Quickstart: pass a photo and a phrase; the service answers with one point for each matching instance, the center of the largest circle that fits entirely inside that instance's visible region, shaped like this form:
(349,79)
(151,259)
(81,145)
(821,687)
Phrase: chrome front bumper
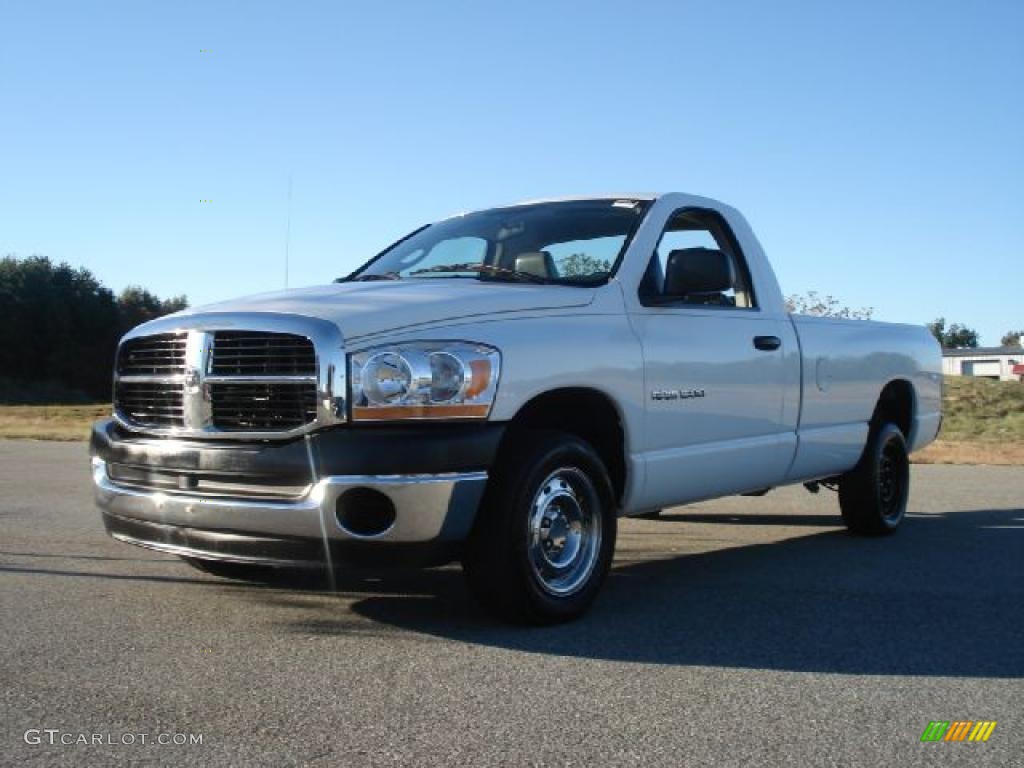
(429,509)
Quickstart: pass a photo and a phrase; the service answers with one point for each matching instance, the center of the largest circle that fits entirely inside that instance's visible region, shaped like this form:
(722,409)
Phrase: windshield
(575,242)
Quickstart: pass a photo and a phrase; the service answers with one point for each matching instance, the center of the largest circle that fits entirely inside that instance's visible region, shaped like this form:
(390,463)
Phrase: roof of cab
(646,196)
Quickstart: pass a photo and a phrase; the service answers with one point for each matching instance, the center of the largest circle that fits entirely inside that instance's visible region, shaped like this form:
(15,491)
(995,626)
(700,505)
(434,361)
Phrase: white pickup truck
(499,388)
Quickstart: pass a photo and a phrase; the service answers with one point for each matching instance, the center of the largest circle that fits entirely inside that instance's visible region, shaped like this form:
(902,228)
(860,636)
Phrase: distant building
(1002,363)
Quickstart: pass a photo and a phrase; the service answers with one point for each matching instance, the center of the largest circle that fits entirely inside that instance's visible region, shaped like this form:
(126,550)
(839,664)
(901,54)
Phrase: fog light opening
(365,512)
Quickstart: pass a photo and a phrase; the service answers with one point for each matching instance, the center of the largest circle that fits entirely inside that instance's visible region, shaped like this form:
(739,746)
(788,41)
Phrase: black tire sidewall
(502,538)
(888,434)
(860,492)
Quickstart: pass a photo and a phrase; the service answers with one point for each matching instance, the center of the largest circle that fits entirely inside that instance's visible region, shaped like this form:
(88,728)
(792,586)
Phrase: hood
(364,309)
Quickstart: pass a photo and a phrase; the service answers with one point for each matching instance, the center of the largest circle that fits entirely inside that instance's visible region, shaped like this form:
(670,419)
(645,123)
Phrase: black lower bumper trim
(407,449)
(291,552)
(216,545)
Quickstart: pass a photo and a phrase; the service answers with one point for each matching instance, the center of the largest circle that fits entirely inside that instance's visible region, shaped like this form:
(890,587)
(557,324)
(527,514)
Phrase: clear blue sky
(876,147)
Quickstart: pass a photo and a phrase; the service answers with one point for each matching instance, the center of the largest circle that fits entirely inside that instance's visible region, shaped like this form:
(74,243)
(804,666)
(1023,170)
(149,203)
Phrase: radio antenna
(288,231)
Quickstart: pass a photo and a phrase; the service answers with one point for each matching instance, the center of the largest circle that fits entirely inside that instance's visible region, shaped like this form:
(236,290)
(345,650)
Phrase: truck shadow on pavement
(943,597)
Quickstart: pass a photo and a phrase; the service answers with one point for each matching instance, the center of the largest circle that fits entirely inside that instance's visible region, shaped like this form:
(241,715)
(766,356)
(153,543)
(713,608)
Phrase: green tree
(59,325)
(956,336)
(812,303)
(59,328)
(1011,338)
(582,265)
(137,306)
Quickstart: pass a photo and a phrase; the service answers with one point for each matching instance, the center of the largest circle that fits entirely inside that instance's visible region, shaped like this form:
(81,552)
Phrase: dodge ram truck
(498,389)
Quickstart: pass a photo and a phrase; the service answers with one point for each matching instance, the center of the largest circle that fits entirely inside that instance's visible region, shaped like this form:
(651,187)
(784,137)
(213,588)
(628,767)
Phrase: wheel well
(586,413)
(896,404)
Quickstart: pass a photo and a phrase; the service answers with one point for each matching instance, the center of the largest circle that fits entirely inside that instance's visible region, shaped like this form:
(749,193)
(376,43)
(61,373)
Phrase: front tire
(873,496)
(545,534)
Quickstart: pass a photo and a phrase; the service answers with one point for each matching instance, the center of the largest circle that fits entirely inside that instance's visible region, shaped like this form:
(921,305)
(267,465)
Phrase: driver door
(716,371)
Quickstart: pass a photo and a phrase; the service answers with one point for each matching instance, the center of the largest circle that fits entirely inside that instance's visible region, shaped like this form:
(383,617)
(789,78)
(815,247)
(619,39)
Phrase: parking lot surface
(744,631)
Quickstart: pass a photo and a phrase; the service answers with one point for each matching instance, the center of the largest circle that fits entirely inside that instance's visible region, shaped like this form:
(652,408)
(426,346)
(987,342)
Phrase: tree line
(958,336)
(59,328)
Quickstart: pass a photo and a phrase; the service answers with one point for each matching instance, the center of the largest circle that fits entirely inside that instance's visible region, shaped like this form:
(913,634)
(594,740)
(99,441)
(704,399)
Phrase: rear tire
(873,495)
(545,534)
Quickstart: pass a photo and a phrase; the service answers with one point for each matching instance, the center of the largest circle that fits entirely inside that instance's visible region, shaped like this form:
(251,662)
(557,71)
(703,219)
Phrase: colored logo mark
(958,730)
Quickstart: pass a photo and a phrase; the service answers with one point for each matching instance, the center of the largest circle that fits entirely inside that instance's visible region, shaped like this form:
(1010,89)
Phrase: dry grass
(983,410)
(983,424)
(50,422)
(944,451)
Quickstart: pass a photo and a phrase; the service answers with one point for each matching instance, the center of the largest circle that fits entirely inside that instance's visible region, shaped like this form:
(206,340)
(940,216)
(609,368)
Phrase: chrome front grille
(162,354)
(146,393)
(279,377)
(263,405)
(150,403)
(248,353)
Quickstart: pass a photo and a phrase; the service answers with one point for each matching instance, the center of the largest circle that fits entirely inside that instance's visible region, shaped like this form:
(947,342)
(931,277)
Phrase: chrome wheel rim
(564,533)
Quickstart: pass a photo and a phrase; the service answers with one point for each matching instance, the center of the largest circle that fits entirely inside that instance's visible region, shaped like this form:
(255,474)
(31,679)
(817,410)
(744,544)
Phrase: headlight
(424,380)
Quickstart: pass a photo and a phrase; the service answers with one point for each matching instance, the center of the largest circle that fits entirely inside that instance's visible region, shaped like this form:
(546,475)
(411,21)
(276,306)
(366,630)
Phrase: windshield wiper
(370,277)
(479,267)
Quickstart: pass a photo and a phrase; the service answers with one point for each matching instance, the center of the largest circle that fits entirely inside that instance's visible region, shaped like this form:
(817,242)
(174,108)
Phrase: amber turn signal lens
(388,412)
(481,377)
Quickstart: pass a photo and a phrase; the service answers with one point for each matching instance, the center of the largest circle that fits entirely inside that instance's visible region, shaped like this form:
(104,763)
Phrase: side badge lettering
(676,394)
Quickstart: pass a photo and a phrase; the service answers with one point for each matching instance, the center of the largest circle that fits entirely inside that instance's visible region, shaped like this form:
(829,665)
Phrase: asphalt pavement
(744,631)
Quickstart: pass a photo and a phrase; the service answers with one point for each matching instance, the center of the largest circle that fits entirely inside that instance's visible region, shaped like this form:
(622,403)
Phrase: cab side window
(697,263)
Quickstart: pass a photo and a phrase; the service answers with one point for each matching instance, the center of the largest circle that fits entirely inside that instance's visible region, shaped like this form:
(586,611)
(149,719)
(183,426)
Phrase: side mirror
(697,270)
(539,263)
